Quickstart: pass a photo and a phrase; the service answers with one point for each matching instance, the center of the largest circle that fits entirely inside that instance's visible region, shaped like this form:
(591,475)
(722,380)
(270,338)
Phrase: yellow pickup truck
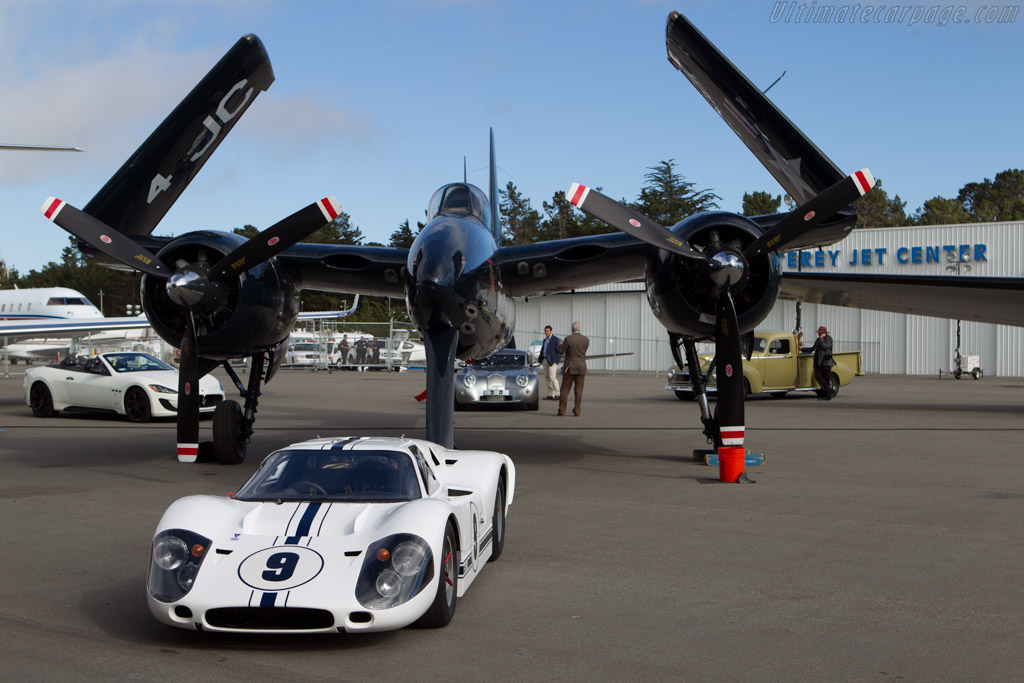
(776,367)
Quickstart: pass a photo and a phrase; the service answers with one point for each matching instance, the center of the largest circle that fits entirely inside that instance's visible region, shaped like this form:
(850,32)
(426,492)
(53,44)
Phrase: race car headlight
(161,389)
(469,379)
(522,380)
(169,552)
(408,558)
(395,569)
(176,559)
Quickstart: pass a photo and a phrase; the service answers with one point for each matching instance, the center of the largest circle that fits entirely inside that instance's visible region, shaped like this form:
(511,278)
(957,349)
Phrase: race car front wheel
(443,608)
(498,522)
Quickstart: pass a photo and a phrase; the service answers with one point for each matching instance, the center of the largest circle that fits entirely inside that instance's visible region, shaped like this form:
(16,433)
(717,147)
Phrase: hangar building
(617,318)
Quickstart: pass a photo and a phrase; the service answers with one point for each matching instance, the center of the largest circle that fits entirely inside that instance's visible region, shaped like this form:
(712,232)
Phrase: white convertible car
(134,384)
(334,535)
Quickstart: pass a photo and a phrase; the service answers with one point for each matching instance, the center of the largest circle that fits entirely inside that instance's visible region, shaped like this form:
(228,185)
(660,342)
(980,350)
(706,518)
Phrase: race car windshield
(370,476)
(135,362)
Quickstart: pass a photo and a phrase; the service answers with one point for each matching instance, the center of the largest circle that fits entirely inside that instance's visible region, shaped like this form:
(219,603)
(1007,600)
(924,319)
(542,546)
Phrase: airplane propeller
(107,240)
(725,269)
(811,213)
(188,394)
(190,285)
(629,221)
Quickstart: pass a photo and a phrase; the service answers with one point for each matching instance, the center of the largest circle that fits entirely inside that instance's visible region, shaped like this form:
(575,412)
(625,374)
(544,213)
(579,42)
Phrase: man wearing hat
(823,363)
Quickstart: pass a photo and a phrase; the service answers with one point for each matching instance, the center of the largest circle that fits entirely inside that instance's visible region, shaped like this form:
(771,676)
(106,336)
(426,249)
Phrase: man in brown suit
(574,364)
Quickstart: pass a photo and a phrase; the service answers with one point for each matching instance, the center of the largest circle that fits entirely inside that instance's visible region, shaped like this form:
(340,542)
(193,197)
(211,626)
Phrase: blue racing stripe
(304,524)
(268,599)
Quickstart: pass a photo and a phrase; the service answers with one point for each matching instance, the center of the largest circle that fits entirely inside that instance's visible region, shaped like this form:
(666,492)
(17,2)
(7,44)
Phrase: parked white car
(138,385)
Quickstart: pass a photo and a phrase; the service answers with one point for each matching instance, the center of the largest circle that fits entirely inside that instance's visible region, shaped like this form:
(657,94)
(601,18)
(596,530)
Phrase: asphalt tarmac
(883,540)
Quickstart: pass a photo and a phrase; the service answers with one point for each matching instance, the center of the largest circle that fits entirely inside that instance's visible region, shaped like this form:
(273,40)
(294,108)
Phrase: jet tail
(789,155)
(495,207)
(138,196)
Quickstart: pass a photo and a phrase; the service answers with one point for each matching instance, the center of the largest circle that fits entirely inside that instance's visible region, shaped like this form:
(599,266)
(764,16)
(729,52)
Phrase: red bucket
(730,463)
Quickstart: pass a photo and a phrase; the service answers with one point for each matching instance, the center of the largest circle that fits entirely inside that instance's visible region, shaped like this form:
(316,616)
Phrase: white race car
(334,535)
(138,385)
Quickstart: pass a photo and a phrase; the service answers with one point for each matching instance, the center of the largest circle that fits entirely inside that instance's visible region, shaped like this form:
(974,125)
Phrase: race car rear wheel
(443,608)
(498,521)
(136,405)
(41,400)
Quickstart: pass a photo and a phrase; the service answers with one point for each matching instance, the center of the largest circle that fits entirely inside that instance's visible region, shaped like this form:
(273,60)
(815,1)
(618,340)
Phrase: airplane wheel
(42,401)
(227,424)
(136,405)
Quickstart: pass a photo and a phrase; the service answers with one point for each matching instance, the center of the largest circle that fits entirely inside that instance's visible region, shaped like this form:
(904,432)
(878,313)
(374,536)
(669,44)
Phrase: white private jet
(49,313)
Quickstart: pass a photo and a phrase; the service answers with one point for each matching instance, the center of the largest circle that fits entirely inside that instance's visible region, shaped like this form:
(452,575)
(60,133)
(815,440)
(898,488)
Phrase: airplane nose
(428,301)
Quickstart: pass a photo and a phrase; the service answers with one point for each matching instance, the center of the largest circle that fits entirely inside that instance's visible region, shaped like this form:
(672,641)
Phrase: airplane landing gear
(698,381)
(232,423)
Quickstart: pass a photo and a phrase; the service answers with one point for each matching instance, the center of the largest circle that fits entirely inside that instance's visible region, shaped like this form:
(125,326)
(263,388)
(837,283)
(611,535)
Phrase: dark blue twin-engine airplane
(710,276)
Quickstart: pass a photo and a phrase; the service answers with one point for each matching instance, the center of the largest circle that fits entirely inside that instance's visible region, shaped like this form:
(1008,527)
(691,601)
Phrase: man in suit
(574,348)
(549,362)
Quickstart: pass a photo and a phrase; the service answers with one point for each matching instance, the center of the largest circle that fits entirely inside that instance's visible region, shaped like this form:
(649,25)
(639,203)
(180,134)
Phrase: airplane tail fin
(495,207)
(138,196)
(789,155)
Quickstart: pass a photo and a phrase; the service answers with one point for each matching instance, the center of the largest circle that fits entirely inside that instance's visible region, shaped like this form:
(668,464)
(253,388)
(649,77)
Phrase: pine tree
(667,197)
(759,203)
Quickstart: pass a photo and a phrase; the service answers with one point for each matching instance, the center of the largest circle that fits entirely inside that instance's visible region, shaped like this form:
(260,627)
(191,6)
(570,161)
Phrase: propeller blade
(629,221)
(188,394)
(810,213)
(729,372)
(277,238)
(104,238)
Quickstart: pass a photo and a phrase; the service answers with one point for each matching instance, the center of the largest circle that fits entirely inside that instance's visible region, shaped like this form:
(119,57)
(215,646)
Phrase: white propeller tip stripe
(329,206)
(732,436)
(51,207)
(188,452)
(865,181)
(578,194)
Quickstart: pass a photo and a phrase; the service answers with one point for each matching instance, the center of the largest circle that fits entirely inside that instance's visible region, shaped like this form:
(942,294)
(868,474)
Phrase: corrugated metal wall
(618,319)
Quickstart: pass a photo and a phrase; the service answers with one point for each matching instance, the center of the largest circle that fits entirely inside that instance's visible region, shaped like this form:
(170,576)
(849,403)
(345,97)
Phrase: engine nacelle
(681,292)
(238,316)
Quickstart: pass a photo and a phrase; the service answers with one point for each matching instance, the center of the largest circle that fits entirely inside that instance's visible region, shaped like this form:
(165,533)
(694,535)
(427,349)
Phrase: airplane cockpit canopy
(460,197)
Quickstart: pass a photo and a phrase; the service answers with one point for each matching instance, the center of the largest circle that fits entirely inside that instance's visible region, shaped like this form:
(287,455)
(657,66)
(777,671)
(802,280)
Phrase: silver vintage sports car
(503,378)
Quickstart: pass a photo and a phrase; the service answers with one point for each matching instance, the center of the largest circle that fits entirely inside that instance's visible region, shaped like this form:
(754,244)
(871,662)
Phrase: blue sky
(378,102)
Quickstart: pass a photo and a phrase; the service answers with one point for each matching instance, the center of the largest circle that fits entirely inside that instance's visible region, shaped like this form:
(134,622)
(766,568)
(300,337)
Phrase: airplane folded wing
(789,155)
(136,197)
(983,299)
